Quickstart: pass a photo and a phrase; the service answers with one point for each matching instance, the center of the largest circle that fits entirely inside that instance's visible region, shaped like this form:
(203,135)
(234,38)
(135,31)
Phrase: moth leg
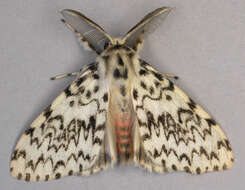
(170,76)
(111,139)
(137,146)
(64,75)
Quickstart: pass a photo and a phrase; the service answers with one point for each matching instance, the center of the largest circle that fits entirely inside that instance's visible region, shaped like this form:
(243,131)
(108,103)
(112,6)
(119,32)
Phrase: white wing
(175,133)
(68,137)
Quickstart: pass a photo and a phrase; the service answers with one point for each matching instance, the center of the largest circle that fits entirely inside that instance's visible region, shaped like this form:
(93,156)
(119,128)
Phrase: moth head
(113,42)
(94,38)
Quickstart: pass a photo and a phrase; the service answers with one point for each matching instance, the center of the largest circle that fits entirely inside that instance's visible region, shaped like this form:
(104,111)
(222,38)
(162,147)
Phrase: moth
(119,110)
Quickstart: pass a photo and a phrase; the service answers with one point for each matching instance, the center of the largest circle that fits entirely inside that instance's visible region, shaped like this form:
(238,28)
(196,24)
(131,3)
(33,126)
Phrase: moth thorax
(119,73)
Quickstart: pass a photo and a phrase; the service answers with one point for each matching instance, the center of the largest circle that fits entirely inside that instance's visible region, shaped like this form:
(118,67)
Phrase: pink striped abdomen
(123,126)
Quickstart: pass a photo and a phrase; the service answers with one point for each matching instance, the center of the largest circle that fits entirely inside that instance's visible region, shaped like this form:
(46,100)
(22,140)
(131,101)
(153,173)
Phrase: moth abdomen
(123,128)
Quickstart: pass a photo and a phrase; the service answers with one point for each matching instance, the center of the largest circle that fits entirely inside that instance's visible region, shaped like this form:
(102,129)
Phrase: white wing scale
(175,133)
(68,137)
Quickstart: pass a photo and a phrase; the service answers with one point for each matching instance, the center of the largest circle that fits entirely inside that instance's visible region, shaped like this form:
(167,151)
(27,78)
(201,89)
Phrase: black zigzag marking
(172,128)
(69,134)
(58,136)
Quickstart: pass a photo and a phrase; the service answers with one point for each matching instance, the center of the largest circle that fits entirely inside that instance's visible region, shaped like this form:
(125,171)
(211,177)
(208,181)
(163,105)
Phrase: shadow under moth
(118,110)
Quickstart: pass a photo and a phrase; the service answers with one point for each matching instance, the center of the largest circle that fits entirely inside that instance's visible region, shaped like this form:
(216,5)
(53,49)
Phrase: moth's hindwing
(175,133)
(68,137)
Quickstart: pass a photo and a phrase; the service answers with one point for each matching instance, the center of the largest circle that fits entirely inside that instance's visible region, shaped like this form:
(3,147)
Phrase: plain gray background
(203,42)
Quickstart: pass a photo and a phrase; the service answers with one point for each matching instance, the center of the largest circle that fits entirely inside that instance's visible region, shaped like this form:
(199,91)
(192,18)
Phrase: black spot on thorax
(125,73)
(105,97)
(120,75)
(120,61)
(116,73)
(123,90)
